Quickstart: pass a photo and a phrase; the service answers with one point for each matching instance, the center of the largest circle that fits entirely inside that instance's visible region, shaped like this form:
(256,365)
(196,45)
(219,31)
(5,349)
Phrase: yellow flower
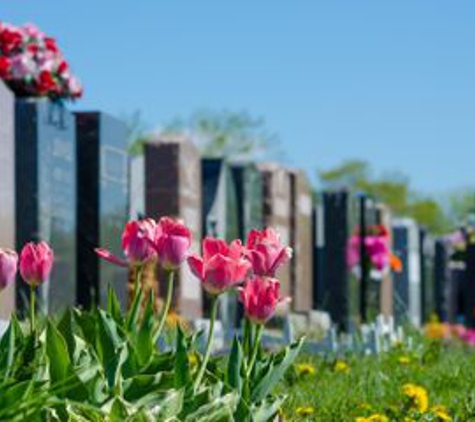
(441,413)
(436,330)
(373,418)
(365,406)
(341,366)
(418,397)
(305,411)
(404,360)
(193,359)
(305,369)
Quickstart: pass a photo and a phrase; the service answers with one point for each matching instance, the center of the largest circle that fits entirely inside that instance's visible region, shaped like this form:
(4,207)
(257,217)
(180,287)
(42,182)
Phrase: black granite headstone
(441,277)
(220,220)
(45,179)
(102,206)
(340,294)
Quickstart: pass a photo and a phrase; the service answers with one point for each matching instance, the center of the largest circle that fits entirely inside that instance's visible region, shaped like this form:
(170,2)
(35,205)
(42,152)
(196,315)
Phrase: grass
(372,385)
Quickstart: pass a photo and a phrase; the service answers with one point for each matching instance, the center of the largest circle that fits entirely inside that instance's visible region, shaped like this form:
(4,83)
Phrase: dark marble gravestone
(441,278)
(220,220)
(340,289)
(301,264)
(172,176)
(45,180)
(426,255)
(277,211)
(7,188)
(102,206)
(249,195)
(407,283)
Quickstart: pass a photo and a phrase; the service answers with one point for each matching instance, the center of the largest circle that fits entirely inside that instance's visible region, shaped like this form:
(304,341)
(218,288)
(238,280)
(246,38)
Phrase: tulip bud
(36,262)
(172,243)
(8,267)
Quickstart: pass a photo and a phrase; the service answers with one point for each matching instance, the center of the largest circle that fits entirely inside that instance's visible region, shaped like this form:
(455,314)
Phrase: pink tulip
(8,267)
(222,266)
(266,252)
(36,262)
(260,297)
(137,244)
(172,243)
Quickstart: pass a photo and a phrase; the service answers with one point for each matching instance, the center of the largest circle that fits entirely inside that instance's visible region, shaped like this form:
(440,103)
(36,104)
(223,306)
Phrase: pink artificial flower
(30,30)
(36,262)
(469,337)
(172,242)
(8,267)
(23,66)
(266,252)
(137,244)
(378,251)
(260,297)
(353,251)
(222,266)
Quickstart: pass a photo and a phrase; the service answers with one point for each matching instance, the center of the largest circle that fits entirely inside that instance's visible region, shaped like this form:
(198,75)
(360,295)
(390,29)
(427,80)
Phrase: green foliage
(236,135)
(392,189)
(101,365)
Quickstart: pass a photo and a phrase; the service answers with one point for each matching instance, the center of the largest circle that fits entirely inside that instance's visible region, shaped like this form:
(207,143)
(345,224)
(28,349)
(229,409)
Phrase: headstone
(340,287)
(386,289)
(45,179)
(441,277)
(7,188)
(249,194)
(318,237)
(407,294)
(276,209)
(469,285)
(173,188)
(301,264)
(102,208)
(220,220)
(426,253)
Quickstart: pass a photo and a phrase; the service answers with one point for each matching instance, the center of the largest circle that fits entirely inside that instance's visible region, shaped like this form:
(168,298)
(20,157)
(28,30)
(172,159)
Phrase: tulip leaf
(65,327)
(144,344)
(267,409)
(234,379)
(182,365)
(7,350)
(275,370)
(220,409)
(113,306)
(133,314)
(57,351)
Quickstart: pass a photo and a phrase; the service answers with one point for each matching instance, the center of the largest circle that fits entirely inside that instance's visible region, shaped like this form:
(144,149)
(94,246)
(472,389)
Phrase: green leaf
(144,344)
(165,405)
(133,314)
(234,379)
(267,409)
(275,371)
(182,365)
(113,306)
(65,327)
(219,410)
(58,356)
(119,411)
(7,351)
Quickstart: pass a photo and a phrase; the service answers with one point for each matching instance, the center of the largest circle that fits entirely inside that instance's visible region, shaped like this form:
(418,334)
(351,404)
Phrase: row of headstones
(66,180)
(354,297)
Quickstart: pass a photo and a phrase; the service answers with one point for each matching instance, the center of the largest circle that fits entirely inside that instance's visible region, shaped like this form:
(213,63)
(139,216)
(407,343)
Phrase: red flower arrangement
(32,65)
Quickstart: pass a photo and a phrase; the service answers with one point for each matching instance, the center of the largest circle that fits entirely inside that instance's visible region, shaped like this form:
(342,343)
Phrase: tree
(393,189)
(235,135)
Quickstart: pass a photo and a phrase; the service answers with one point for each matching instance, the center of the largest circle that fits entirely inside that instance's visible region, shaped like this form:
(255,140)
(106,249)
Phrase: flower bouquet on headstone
(32,64)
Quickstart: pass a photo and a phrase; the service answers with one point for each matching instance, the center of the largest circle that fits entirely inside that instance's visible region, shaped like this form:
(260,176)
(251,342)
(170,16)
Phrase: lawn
(441,377)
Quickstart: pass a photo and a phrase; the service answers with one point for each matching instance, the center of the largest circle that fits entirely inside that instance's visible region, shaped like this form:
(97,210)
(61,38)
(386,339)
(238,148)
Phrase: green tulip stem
(168,303)
(204,364)
(257,343)
(32,307)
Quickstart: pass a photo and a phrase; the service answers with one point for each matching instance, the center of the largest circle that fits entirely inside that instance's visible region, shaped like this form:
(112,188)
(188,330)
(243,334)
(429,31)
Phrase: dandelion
(373,418)
(305,411)
(305,369)
(404,360)
(418,397)
(441,413)
(341,366)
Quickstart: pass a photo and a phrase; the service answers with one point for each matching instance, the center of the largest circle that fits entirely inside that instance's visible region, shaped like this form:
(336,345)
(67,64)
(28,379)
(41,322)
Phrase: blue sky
(392,82)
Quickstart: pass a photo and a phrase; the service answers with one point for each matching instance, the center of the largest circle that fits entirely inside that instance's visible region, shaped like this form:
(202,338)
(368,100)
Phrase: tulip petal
(108,256)
(196,265)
